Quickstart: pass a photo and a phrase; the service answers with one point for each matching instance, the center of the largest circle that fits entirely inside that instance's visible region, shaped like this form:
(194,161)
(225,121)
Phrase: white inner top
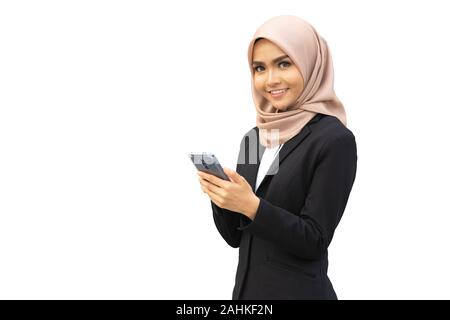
(268,157)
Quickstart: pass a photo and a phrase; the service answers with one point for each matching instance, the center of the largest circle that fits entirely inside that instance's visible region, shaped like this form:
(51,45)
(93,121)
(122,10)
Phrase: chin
(280,108)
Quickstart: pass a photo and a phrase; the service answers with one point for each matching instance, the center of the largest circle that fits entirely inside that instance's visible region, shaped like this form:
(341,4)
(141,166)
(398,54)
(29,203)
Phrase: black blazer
(283,251)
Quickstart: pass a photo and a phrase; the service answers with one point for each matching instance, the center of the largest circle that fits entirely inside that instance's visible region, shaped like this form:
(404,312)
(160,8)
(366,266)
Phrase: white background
(100,101)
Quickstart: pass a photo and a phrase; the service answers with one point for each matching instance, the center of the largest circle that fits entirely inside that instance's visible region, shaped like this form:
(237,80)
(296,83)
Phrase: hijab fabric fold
(310,53)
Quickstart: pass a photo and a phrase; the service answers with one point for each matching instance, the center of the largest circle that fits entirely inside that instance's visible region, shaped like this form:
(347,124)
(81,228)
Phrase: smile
(278,93)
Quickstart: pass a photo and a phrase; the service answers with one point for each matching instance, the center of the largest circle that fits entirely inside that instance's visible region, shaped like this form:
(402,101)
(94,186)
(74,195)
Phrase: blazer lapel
(285,150)
(250,170)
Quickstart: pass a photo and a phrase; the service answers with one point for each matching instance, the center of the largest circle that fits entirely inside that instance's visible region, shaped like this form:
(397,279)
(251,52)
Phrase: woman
(281,210)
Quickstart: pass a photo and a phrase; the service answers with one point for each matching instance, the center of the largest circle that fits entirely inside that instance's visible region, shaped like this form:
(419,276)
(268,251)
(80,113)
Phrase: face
(275,76)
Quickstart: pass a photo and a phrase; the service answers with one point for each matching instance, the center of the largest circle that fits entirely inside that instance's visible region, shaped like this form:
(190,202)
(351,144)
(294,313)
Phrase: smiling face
(275,76)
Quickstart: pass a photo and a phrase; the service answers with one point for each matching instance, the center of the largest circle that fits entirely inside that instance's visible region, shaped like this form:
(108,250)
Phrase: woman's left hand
(235,195)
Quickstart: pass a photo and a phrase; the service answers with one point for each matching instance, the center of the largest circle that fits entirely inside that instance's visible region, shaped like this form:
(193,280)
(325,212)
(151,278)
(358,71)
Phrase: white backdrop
(100,101)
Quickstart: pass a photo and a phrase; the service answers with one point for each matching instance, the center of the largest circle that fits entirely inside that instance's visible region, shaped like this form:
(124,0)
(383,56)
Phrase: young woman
(282,209)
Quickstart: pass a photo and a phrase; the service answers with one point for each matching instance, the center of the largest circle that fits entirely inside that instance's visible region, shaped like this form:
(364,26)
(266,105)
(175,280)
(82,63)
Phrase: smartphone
(208,162)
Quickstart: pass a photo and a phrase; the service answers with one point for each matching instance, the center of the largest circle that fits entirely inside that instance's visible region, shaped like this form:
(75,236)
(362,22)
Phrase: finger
(203,184)
(215,198)
(211,186)
(236,177)
(213,179)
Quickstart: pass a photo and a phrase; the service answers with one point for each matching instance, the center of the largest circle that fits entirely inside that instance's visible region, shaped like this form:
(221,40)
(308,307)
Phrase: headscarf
(310,53)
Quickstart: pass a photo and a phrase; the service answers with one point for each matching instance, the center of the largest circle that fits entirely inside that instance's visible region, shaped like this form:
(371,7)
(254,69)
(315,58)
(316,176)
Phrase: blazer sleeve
(226,221)
(308,234)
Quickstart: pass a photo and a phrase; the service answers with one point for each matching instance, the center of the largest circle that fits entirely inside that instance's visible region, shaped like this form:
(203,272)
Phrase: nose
(273,78)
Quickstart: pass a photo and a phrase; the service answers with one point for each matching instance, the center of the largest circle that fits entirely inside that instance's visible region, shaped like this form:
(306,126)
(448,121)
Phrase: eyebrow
(274,60)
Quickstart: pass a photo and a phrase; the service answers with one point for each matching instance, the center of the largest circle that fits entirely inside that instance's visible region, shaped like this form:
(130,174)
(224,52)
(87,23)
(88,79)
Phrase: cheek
(295,83)
(258,83)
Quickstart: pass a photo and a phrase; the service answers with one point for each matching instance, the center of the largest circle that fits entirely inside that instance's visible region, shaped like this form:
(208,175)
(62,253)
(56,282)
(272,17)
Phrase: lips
(278,92)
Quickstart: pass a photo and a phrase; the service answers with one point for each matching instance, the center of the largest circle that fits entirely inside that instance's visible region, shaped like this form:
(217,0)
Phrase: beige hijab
(309,51)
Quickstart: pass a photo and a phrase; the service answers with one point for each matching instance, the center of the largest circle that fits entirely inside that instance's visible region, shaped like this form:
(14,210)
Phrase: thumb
(233,175)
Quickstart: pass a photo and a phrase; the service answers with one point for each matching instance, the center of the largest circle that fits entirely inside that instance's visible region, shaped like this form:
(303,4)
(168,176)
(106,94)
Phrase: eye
(285,62)
(256,68)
